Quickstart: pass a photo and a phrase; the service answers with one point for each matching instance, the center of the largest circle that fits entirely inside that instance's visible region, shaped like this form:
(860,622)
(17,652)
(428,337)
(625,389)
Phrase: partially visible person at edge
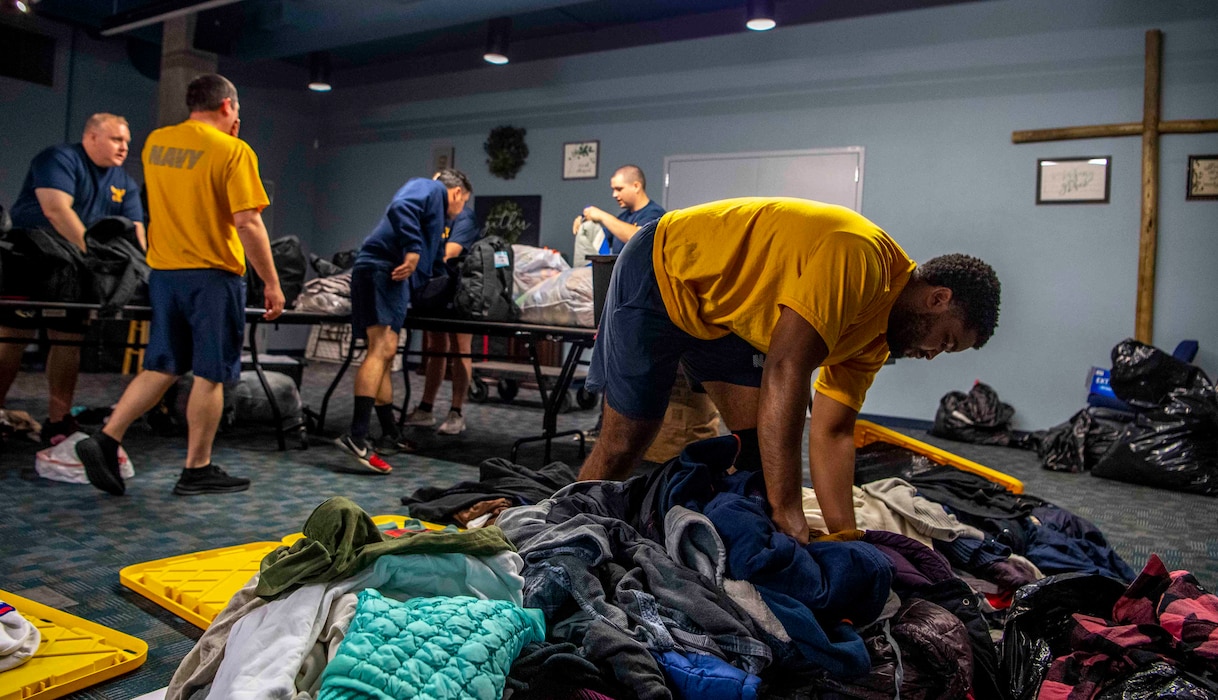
(69,188)
(751,296)
(463,234)
(205,198)
(397,256)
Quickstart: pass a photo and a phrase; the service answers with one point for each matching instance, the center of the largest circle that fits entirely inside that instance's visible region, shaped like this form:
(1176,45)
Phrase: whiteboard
(832,175)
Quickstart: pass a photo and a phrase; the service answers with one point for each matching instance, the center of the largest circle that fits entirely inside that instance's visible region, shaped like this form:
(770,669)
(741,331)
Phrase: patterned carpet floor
(64,544)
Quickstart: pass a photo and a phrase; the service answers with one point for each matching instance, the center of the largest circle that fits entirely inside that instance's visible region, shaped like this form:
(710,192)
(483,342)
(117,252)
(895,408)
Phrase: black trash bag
(289,260)
(43,266)
(1174,447)
(1081,442)
(979,417)
(345,259)
(1039,623)
(1159,681)
(1144,376)
(323,267)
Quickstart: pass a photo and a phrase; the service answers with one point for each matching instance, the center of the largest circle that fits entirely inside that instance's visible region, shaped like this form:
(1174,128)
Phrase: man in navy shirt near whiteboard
(396,256)
(463,234)
(69,188)
(629,187)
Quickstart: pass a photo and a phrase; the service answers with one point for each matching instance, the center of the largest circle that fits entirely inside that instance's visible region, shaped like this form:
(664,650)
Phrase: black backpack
(290,263)
(484,292)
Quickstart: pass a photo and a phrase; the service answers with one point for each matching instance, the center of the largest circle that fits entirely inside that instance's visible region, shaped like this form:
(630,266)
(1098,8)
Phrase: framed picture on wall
(1203,177)
(1082,180)
(579,160)
(442,157)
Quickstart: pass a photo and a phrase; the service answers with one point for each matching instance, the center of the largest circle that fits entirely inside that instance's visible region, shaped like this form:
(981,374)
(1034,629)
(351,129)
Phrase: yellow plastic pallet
(197,586)
(866,432)
(74,654)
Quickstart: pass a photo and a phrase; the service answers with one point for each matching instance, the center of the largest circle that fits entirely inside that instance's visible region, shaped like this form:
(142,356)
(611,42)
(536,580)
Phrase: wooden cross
(1149,128)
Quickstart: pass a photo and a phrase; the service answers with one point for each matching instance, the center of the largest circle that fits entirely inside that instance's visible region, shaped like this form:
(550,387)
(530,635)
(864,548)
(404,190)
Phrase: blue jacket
(820,592)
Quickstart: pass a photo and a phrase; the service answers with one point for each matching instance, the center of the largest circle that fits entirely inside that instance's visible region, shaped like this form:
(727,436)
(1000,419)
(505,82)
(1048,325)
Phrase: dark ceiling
(374,40)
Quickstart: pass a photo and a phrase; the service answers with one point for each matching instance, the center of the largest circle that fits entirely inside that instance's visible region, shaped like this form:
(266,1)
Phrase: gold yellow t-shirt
(197,177)
(726,267)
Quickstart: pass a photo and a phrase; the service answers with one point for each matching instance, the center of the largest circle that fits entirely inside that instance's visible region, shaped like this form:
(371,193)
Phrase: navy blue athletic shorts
(639,349)
(376,300)
(198,323)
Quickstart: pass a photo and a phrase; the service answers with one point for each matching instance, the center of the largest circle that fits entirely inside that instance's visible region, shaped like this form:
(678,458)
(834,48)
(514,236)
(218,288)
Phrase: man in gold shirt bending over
(752,295)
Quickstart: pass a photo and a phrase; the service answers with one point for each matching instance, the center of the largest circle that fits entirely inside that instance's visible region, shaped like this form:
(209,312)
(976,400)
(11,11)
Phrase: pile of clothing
(330,291)
(676,584)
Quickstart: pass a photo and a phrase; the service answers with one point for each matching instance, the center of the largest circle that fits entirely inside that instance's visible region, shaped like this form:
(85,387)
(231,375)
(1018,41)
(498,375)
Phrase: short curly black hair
(976,290)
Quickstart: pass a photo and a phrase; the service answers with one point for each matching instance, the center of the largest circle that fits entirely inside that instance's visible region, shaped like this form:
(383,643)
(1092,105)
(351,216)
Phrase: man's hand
(597,214)
(406,269)
(273,301)
(579,221)
(790,520)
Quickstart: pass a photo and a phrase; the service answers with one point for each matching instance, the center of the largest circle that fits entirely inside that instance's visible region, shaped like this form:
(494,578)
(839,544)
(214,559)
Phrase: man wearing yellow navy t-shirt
(751,296)
(205,199)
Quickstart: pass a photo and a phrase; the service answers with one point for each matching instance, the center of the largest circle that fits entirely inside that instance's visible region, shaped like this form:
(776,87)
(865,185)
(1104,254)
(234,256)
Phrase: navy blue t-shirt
(642,217)
(413,223)
(464,230)
(96,192)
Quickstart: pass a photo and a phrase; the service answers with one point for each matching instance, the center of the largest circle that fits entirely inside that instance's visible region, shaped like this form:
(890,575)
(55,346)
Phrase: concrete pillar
(180,64)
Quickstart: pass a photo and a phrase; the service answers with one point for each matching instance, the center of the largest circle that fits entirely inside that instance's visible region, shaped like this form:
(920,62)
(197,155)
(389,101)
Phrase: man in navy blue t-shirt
(463,234)
(629,187)
(69,188)
(397,255)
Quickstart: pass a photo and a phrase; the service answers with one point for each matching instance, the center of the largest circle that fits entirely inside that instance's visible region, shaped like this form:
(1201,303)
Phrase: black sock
(361,416)
(750,450)
(424,407)
(384,414)
(109,445)
(455,409)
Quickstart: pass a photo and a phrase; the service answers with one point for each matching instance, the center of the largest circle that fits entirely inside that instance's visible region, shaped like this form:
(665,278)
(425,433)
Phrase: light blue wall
(96,76)
(932,95)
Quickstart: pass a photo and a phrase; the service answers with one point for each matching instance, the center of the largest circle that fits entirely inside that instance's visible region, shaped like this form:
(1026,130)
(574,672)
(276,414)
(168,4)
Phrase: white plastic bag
(588,241)
(533,265)
(59,463)
(565,300)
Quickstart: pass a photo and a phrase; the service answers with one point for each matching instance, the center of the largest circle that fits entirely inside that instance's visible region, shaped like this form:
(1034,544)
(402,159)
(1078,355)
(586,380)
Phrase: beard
(907,328)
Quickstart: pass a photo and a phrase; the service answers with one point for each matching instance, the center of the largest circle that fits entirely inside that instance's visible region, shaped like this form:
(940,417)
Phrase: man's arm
(57,208)
(831,460)
(796,349)
(141,236)
(620,229)
(452,250)
(252,233)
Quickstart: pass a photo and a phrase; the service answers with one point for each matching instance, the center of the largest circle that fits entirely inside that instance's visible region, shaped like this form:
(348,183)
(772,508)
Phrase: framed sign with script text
(1073,180)
(579,160)
(1203,177)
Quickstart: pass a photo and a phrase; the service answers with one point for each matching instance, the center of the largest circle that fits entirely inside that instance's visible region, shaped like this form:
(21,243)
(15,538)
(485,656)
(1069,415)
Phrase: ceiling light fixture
(497,40)
(760,15)
(19,6)
(319,71)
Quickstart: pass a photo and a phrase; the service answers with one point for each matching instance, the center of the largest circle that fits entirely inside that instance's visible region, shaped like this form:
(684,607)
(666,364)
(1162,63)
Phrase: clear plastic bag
(534,265)
(565,300)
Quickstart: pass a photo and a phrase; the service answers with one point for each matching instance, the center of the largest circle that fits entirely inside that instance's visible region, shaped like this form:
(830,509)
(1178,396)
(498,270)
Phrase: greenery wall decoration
(507,151)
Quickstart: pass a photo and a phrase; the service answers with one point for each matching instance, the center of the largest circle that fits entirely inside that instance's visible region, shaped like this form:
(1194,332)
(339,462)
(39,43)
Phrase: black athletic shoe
(389,445)
(101,464)
(209,479)
(364,455)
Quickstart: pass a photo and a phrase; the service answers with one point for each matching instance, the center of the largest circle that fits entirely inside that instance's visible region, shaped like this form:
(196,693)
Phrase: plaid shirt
(1162,617)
